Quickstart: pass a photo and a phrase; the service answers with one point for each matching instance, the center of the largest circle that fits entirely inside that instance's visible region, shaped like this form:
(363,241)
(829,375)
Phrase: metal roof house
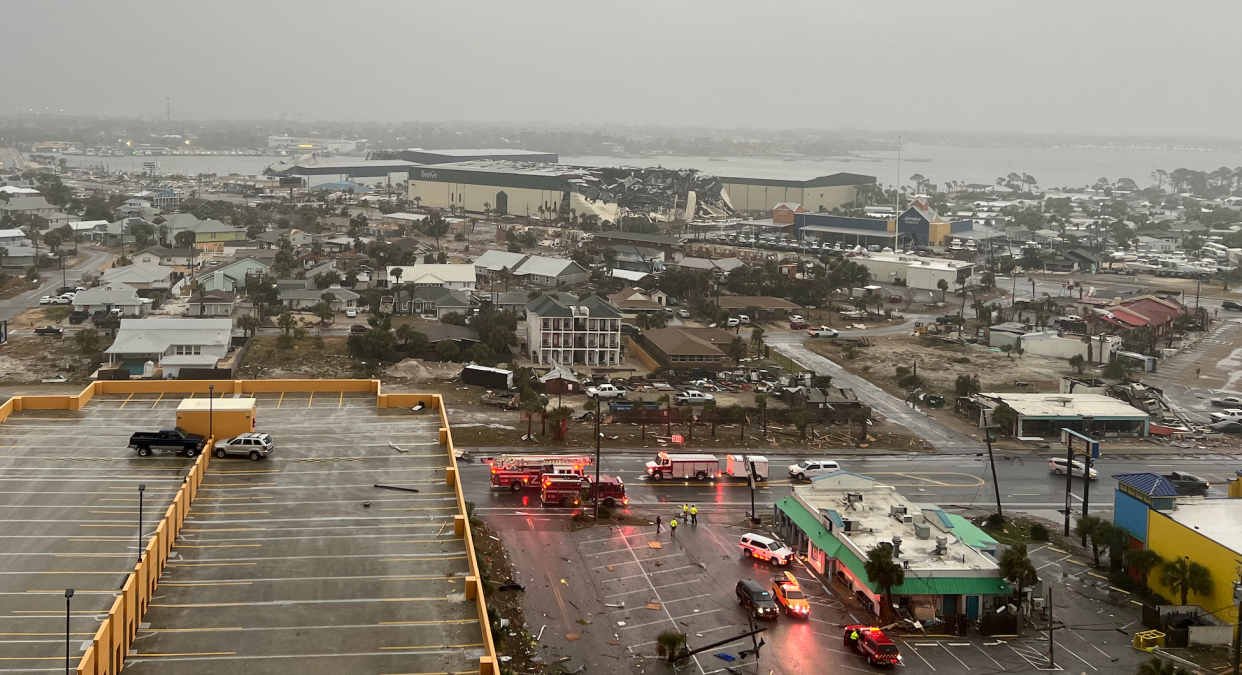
(172,344)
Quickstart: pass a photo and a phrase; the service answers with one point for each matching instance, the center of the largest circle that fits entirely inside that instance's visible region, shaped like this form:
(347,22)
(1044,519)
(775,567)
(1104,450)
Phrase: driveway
(941,437)
(51,281)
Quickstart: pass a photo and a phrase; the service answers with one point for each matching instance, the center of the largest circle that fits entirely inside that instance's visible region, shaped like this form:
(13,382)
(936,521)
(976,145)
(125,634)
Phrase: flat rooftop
(1067,405)
(878,527)
(280,566)
(1217,519)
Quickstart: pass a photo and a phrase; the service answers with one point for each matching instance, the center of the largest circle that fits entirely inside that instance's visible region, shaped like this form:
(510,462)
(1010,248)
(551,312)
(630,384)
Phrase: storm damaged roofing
(655,193)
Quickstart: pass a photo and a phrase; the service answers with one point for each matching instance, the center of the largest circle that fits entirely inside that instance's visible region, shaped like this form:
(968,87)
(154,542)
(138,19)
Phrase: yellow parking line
(397,623)
(221,473)
(312,400)
(400,541)
(184,630)
(214,583)
(247,564)
(224,529)
(62,633)
(141,654)
(282,399)
(342,401)
(1077,563)
(191,394)
(455,557)
(480,644)
(419,577)
(207,485)
(61,592)
(127,400)
(424,508)
(230,513)
(219,545)
(225,499)
(157,401)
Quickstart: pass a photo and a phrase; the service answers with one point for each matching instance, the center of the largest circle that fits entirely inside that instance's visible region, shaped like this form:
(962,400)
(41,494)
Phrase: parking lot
(296,562)
(576,583)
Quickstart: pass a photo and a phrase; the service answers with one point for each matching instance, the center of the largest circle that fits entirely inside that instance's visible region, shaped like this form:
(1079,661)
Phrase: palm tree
(1158,666)
(737,350)
(943,285)
(1183,576)
(248,323)
(395,283)
(286,320)
(884,572)
(1017,568)
(1144,560)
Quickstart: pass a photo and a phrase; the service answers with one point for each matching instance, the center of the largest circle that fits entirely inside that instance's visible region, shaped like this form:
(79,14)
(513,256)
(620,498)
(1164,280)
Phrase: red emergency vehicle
(561,490)
(518,471)
(611,491)
(873,644)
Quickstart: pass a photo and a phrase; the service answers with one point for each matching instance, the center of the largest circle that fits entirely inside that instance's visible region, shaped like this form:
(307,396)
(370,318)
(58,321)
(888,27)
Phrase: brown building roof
(633,298)
(690,341)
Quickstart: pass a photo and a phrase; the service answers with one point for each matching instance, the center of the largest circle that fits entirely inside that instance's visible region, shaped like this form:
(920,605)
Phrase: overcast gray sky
(1117,67)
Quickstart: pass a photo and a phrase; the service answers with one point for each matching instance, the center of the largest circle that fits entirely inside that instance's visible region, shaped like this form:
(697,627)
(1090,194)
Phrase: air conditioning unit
(851,497)
(907,518)
(922,530)
(1037,603)
(895,510)
(850,525)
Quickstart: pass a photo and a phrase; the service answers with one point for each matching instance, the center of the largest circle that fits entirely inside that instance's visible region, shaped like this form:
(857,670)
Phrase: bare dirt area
(266,361)
(15,285)
(30,359)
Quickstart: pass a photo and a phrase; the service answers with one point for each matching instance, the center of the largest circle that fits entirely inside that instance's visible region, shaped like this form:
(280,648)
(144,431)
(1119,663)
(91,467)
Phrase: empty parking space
(69,518)
(294,563)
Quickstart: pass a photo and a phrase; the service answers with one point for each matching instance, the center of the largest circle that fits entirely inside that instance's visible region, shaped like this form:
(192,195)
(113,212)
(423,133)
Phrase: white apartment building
(560,328)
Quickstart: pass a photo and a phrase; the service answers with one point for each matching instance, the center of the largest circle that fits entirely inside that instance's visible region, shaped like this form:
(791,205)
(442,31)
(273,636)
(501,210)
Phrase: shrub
(605,513)
(284,342)
(994,521)
(910,381)
(1039,532)
(318,343)
(963,359)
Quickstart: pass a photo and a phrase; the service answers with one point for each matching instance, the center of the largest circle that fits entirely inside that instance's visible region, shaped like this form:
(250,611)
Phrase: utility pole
(987,433)
(754,476)
(1051,643)
(1069,486)
(598,405)
(1086,488)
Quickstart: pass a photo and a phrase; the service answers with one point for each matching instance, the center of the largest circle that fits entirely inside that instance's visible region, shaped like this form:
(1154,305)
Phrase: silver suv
(253,445)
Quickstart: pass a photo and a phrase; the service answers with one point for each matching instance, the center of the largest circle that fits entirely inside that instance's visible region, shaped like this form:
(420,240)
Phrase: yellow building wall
(938,233)
(764,198)
(1171,539)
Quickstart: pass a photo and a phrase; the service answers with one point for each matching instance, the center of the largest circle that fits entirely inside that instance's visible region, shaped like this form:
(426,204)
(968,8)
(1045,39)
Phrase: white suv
(808,468)
(764,548)
(252,445)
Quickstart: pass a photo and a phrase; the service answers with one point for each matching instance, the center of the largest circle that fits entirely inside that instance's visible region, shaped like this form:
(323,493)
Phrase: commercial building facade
(814,193)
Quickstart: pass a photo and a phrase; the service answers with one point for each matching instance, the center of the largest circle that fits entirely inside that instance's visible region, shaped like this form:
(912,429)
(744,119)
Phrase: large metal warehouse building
(761,191)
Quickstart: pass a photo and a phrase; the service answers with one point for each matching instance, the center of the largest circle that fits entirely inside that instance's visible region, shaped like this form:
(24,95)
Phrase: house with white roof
(110,296)
(231,276)
(171,344)
(451,276)
(143,276)
(541,271)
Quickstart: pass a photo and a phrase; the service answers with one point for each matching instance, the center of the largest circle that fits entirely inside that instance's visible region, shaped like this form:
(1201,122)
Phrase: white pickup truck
(692,397)
(604,391)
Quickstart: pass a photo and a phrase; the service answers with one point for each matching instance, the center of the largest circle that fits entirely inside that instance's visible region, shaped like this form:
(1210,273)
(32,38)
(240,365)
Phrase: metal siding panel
(1130,514)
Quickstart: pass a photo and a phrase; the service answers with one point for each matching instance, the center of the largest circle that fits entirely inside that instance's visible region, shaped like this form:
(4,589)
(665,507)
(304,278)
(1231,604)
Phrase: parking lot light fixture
(211,418)
(68,601)
(141,489)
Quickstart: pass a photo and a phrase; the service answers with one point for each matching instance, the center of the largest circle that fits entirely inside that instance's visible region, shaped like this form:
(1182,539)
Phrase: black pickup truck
(167,439)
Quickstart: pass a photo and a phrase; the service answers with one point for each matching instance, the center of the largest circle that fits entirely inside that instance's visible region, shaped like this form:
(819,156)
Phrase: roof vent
(942,545)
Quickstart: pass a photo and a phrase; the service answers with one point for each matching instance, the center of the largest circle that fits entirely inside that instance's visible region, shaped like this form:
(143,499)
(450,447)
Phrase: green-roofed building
(949,564)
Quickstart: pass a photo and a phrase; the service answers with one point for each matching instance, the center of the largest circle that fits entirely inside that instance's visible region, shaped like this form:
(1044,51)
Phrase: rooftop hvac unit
(850,525)
(907,518)
(852,497)
(942,545)
(895,510)
(922,530)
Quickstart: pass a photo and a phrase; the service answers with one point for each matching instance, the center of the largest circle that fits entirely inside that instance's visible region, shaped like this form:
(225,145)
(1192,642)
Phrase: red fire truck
(561,490)
(611,491)
(518,471)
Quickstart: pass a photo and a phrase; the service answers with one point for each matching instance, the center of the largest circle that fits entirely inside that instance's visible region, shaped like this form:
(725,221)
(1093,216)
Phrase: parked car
(60,300)
(1232,414)
(809,468)
(765,548)
(357,328)
(1187,484)
(79,316)
(1227,402)
(823,331)
(351,313)
(745,320)
(629,329)
(1057,466)
(49,330)
(166,439)
(683,313)
(605,391)
(1230,304)
(799,325)
(253,445)
(1226,427)
(756,600)
(45,300)
(692,397)
(796,318)
(732,323)
(873,644)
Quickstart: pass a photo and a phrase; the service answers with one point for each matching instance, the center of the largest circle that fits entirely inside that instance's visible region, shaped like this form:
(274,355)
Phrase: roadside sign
(1080,444)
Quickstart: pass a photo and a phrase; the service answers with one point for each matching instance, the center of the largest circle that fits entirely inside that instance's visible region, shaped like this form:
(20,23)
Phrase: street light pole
(68,600)
(987,433)
(598,406)
(141,488)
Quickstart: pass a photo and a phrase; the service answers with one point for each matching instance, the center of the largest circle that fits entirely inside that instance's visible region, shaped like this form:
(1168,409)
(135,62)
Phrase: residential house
(438,301)
(109,296)
(633,301)
(463,337)
(231,276)
(18,251)
(719,268)
(144,276)
(184,260)
(633,277)
(767,306)
(112,235)
(683,348)
(137,207)
(559,381)
(636,258)
(561,328)
(407,221)
(489,265)
(172,344)
(664,243)
(1124,317)
(511,301)
(211,303)
(26,205)
(451,276)
(540,271)
(272,238)
(307,298)
(211,234)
